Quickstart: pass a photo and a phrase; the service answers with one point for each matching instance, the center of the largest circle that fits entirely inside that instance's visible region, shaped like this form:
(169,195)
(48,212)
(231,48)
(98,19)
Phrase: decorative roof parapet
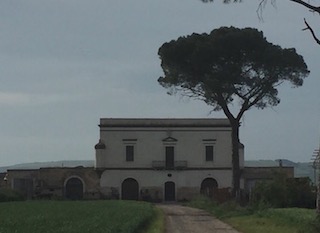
(164,122)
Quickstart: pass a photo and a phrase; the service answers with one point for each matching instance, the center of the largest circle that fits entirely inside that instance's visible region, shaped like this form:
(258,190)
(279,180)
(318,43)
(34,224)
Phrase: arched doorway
(208,187)
(130,189)
(74,189)
(169,191)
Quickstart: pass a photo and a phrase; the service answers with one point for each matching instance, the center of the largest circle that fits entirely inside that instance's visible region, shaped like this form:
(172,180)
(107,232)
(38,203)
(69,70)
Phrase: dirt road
(181,219)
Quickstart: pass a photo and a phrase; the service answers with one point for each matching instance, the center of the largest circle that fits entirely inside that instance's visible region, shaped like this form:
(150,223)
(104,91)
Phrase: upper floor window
(169,157)
(209,153)
(130,144)
(129,153)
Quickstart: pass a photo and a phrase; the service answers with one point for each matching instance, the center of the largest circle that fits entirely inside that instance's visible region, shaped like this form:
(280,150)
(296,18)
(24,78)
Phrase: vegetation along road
(182,219)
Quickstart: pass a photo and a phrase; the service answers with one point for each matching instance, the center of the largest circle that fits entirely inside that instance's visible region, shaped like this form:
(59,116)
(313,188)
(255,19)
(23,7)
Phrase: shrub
(315,224)
(281,192)
(300,193)
(225,210)
(10,195)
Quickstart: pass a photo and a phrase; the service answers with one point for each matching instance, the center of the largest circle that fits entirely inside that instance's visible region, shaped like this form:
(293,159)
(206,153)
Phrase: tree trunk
(235,160)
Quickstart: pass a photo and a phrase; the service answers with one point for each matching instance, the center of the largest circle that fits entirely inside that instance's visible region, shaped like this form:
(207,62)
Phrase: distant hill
(300,169)
(63,163)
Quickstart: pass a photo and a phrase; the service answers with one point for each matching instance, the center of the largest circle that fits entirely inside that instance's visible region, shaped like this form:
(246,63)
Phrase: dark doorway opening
(209,187)
(130,189)
(169,191)
(74,189)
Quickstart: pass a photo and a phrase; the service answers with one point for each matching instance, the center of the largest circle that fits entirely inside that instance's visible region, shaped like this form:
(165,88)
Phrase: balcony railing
(159,164)
(178,165)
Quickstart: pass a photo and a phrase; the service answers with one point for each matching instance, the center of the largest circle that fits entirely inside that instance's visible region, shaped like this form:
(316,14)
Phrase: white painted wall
(190,178)
(149,145)
(147,136)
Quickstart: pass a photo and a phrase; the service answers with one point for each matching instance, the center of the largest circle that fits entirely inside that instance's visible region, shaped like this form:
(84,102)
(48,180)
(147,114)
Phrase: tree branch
(307,5)
(223,103)
(312,32)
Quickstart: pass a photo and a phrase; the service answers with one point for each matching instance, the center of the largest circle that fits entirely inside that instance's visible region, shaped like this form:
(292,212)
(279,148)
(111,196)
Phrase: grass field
(156,225)
(75,216)
(291,220)
(261,219)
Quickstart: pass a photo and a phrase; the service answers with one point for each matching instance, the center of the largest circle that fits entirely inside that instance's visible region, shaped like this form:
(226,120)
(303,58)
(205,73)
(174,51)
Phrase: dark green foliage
(315,224)
(226,66)
(281,192)
(10,195)
(300,193)
(224,210)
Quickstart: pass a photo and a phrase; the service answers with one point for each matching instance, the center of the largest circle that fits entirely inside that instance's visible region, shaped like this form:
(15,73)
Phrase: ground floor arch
(208,187)
(169,191)
(130,189)
(74,188)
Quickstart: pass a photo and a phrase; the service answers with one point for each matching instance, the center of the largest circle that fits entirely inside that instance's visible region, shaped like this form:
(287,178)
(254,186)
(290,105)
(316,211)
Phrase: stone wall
(51,182)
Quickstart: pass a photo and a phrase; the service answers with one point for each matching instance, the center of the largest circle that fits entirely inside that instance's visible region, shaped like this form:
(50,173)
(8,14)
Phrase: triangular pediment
(170,139)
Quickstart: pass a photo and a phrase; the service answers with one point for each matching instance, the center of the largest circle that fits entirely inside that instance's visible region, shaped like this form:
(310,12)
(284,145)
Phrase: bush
(300,193)
(281,192)
(224,210)
(10,195)
(315,224)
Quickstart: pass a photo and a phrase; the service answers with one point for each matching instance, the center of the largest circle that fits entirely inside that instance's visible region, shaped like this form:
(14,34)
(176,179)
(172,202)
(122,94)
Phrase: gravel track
(182,219)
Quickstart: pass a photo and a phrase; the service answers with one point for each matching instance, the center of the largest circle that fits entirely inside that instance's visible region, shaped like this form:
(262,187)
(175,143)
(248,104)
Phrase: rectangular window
(169,157)
(209,153)
(129,153)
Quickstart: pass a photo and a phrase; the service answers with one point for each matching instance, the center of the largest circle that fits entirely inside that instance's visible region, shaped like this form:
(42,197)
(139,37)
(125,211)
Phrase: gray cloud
(65,64)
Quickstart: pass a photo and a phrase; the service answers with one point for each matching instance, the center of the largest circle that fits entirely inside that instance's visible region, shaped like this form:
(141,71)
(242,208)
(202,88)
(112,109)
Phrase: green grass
(291,220)
(156,225)
(75,216)
(228,209)
(261,219)
(254,224)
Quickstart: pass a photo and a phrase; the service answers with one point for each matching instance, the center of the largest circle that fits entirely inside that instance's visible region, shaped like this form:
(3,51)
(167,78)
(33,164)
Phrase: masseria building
(147,159)
(164,159)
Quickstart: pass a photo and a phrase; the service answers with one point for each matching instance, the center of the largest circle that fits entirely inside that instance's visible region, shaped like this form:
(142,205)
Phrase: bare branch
(309,6)
(312,32)
(262,5)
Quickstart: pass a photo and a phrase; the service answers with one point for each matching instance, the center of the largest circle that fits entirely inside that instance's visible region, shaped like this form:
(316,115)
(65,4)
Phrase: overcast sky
(64,64)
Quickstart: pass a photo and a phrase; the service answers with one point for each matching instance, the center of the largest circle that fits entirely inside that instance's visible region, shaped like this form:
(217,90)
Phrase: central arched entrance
(169,191)
(130,189)
(74,189)
(208,187)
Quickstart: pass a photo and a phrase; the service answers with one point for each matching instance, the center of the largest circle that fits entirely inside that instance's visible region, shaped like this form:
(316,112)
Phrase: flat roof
(164,122)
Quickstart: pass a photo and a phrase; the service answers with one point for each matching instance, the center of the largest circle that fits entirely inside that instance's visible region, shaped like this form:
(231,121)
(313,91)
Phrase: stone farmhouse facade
(164,159)
(147,159)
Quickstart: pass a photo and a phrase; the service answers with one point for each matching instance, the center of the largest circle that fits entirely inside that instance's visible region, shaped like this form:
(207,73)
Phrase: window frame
(209,153)
(129,153)
(169,157)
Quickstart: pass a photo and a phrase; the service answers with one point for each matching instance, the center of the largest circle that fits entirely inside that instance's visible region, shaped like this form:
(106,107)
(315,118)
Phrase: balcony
(162,165)
(159,165)
(180,164)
